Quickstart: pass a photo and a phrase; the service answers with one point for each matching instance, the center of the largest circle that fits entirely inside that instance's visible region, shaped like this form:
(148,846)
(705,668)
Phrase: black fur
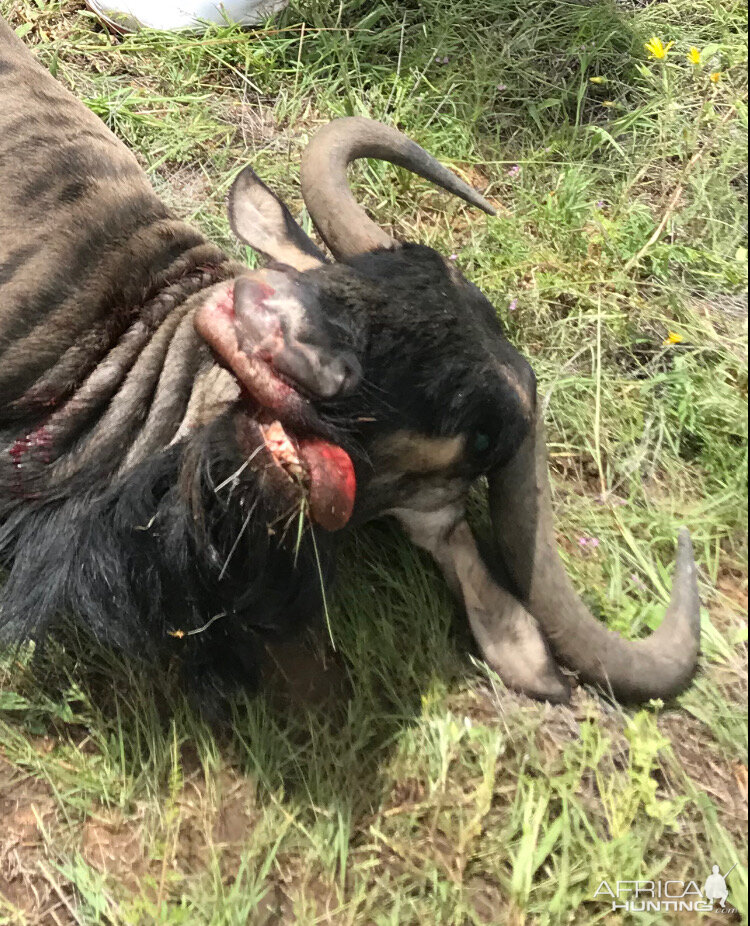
(162,562)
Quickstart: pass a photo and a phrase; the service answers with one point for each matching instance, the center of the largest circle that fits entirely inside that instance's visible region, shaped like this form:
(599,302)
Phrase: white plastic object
(169,15)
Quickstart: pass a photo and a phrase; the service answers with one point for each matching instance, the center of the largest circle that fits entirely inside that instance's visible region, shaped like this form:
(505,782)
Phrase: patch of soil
(112,845)
(487,899)
(27,806)
(301,893)
(234,821)
(204,825)
(580,474)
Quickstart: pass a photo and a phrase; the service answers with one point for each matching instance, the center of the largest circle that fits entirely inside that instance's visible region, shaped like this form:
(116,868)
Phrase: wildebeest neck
(121,390)
(87,249)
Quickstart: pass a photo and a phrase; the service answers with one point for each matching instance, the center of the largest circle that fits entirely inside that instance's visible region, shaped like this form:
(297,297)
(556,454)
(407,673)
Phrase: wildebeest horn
(342,223)
(656,667)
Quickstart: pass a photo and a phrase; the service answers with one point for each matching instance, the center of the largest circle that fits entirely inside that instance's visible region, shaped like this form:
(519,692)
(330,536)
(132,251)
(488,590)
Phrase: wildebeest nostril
(322,373)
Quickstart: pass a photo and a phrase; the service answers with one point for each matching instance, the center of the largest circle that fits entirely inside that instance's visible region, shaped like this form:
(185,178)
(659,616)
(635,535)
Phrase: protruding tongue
(332,482)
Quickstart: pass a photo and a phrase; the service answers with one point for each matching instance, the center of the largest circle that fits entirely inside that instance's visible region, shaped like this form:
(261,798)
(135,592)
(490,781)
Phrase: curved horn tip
(685,544)
(686,581)
(485,206)
(685,568)
(343,224)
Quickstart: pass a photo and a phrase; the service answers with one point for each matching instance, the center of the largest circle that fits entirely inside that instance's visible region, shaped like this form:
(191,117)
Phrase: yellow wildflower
(715,77)
(673,338)
(608,103)
(694,56)
(657,49)
(597,80)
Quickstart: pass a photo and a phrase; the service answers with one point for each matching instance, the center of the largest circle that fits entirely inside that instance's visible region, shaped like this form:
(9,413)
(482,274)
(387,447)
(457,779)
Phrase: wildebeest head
(389,349)
(393,355)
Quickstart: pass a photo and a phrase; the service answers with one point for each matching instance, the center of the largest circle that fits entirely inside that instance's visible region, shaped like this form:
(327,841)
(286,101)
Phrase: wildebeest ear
(260,219)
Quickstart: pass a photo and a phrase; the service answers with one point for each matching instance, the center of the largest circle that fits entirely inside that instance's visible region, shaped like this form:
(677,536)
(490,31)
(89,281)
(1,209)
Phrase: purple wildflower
(502,87)
(588,543)
(513,305)
(453,257)
(514,171)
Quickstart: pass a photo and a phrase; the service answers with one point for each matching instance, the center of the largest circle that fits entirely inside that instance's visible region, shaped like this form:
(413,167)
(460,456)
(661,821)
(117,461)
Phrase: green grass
(432,795)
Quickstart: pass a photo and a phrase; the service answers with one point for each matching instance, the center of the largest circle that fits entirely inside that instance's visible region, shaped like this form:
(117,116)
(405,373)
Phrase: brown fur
(85,243)
(411,452)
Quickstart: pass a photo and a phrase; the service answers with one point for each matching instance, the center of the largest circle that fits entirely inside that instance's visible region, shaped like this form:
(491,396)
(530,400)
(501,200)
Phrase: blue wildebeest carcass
(166,413)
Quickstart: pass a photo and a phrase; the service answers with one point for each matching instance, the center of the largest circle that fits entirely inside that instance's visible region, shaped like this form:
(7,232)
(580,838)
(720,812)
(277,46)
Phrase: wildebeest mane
(151,303)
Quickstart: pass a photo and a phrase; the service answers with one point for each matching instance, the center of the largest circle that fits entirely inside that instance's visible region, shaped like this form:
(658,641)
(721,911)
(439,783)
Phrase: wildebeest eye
(480,443)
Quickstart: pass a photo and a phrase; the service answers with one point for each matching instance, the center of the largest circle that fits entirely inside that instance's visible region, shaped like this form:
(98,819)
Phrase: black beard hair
(162,562)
